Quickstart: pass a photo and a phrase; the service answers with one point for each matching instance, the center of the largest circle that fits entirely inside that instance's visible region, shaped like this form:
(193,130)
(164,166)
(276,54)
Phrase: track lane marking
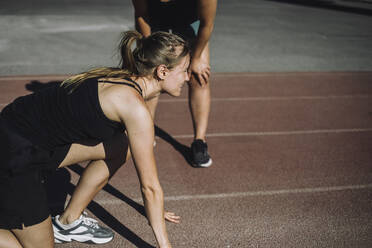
(279,98)
(272,98)
(249,194)
(216,74)
(300,132)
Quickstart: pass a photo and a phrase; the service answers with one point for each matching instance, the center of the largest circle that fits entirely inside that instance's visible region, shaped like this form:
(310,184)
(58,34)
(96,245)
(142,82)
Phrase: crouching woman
(95,116)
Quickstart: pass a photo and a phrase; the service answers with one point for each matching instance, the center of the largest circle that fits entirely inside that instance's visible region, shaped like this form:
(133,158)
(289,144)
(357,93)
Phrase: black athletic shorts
(187,32)
(23,199)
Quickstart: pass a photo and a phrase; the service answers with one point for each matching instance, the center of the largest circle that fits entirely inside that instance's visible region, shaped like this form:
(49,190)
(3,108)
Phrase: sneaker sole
(60,238)
(58,241)
(80,239)
(205,165)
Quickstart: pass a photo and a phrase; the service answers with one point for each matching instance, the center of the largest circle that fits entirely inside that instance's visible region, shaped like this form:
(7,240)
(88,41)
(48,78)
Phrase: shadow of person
(110,220)
(116,225)
(36,85)
(181,148)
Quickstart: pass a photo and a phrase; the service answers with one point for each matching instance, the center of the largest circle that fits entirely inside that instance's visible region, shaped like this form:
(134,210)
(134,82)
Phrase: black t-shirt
(174,13)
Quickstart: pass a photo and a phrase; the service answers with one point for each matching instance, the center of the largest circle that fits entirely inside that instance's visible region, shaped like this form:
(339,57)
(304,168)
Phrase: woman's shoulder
(120,100)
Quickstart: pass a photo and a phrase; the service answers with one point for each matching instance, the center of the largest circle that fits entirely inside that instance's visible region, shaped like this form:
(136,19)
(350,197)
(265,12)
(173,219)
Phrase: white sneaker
(84,229)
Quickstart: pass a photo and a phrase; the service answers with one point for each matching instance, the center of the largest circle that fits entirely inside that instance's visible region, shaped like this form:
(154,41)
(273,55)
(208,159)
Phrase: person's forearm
(142,26)
(207,12)
(141,17)
(204,34)
(154,207)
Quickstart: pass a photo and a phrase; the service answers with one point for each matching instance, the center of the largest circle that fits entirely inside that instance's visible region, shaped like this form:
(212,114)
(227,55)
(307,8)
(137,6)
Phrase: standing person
(193,20)
(93,116)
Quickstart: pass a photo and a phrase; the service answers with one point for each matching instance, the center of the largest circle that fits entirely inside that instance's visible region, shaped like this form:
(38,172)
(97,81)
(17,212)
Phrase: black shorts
(23,200)
(187,32)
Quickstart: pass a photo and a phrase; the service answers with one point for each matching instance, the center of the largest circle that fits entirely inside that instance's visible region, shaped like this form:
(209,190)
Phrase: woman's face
(177,77)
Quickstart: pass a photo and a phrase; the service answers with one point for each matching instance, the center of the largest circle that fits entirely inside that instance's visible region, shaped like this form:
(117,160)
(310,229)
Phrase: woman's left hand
(172,217)
(201,70)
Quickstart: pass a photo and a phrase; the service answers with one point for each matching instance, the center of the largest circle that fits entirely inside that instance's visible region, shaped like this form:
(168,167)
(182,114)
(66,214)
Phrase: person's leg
(106,158)
(39,235)
(8,240)
(199,102)
(199,96)
(94,178)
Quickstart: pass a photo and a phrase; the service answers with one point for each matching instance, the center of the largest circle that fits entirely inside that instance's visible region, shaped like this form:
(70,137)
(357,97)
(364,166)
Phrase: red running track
(292,165)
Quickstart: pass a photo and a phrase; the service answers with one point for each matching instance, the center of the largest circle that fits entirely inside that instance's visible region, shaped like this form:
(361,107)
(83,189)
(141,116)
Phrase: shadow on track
(102,214)
(36,85)
(184,150)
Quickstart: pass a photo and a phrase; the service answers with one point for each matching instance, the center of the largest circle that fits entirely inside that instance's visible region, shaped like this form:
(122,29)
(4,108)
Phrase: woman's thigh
(112,149)
(39,235)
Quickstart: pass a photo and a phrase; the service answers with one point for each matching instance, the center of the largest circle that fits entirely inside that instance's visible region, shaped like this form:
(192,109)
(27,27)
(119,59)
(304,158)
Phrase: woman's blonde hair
(148,53)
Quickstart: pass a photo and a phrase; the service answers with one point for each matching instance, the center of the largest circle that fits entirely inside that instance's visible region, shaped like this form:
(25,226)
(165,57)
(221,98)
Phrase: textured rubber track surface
(292,165)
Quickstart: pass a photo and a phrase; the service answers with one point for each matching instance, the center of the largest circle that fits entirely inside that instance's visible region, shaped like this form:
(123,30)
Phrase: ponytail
(140,59)
(127,60)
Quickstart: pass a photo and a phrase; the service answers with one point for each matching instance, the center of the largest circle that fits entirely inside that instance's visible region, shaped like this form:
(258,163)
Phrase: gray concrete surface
(67,36)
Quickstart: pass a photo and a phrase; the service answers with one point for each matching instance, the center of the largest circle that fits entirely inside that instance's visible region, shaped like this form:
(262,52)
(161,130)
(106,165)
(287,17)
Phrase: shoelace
(90,222)
(200,147)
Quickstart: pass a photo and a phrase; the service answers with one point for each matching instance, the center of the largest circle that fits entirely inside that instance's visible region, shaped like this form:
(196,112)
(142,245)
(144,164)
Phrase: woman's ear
(162,72)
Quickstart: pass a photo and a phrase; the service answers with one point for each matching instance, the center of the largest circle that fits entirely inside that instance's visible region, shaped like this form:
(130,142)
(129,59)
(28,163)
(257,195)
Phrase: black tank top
(172,14)
(54,117)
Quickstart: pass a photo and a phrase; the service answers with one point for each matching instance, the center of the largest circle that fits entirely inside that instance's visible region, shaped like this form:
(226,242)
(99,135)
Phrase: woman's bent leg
(106,158)
(39,235)
(94,178)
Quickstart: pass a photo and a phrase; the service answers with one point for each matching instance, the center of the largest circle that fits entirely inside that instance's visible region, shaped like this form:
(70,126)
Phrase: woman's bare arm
(141,18)
(133,112)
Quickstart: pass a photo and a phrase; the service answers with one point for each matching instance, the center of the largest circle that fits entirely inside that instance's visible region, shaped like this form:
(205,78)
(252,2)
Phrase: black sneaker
(84,229)
(200,154)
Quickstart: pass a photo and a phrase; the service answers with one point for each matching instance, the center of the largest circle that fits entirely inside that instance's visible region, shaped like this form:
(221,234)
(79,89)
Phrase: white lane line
(234,99)
(286,74)
(84,28)
(273,98)
(34,77)
(320,131)
(249,194)
(218,74)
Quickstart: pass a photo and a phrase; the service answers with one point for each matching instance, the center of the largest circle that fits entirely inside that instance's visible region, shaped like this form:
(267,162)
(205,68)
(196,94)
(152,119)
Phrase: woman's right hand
(172,217)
